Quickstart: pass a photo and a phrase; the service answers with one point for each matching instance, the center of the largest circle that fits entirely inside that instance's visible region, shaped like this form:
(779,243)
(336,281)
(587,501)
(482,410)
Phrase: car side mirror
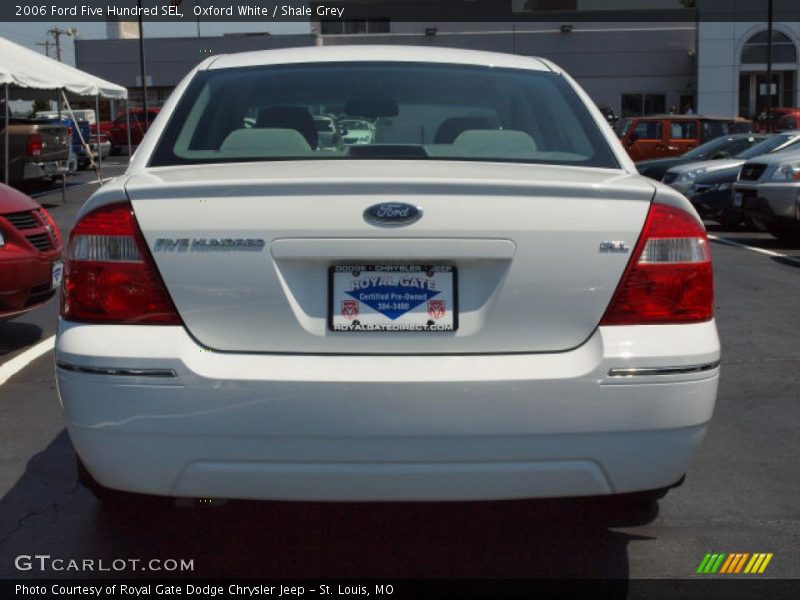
(343,131)
(633,139)
(720,155)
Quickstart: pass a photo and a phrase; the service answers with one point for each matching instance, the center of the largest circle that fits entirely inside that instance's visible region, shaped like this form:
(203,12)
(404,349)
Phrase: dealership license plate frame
(56,274)
(441,268)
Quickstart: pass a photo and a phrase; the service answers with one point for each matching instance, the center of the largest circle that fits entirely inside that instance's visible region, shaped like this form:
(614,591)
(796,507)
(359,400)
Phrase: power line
(46,44)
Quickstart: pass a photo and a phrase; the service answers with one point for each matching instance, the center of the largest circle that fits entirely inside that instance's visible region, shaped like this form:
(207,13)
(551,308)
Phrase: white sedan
(488,304)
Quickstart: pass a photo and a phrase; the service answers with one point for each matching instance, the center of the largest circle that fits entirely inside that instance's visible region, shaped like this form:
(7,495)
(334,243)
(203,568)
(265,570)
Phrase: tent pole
(97,139)
(128,126)
(84,145)
(69,149)
(6,127)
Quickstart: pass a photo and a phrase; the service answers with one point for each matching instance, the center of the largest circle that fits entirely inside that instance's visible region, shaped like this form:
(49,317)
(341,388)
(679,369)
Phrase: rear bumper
(783,200)
(307,427)
(40,170)
(25,279)
(772,201)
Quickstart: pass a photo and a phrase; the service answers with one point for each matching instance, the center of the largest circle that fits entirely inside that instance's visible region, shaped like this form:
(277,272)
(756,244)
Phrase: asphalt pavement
(740,495)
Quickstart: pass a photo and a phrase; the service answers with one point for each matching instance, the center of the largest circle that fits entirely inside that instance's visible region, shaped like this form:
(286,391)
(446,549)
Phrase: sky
(30,34)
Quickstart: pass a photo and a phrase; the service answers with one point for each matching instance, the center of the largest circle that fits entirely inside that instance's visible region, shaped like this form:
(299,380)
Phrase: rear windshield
(770,144)
(729,146)
(414,111)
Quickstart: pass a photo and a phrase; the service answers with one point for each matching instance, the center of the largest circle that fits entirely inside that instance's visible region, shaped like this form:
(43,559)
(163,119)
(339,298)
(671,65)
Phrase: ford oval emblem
(392,214)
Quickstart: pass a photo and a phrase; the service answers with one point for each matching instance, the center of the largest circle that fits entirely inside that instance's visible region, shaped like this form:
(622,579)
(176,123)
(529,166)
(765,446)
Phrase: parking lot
(740,494)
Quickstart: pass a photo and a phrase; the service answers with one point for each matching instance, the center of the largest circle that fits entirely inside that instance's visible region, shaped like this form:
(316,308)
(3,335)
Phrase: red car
(30,254)
(117,130)
(781,118)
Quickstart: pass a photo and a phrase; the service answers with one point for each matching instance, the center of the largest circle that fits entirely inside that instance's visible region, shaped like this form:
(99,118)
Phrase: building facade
(707,62)
(168,59)
(732,67)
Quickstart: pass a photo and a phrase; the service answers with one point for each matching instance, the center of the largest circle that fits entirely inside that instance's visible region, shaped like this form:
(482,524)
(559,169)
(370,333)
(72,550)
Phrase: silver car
(682,177)
(768,191)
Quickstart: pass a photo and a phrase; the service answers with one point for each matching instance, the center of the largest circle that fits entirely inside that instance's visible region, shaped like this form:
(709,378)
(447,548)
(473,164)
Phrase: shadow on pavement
(15,336)
(792,261)
(46,511)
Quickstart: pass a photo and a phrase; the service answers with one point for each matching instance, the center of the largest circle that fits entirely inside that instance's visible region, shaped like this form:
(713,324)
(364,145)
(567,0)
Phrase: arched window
(755,49)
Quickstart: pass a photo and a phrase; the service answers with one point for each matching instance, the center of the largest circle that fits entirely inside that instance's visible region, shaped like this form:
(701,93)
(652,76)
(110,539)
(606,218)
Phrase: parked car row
(336,133)
(662,136)
(746,177)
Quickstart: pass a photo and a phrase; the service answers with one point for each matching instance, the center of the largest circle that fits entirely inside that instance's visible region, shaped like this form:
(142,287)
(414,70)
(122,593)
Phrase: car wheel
(730,218)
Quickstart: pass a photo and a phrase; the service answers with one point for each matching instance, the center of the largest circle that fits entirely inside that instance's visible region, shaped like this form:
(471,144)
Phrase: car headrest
(265,142)
(290,117)
(451,128)
(502,143)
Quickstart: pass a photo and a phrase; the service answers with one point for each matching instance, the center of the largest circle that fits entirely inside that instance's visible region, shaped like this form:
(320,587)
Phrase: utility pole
(57,32)
(46,45)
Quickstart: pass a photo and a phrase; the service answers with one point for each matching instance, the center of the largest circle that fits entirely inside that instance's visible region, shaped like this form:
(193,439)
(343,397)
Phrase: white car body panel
(545,292)
(255,398)
(387,427)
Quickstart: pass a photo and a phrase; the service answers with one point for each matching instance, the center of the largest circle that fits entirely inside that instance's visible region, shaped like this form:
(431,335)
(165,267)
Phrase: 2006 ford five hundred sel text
(484,301)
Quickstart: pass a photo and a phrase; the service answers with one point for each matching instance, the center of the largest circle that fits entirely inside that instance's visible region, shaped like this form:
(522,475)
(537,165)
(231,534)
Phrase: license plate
(738,199)
(56,273)
(392,298)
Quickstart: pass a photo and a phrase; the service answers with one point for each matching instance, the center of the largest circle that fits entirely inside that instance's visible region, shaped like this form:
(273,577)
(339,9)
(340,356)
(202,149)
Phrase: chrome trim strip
(116,371)
(647,371)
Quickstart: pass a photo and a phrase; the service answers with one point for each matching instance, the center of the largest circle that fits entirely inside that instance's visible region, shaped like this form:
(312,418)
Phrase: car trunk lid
(246,249)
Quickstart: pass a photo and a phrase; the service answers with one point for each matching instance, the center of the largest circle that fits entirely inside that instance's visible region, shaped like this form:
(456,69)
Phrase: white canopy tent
(24,68)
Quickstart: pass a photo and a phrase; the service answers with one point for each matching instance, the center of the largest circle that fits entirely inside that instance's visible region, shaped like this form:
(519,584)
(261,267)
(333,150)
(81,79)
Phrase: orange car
(663,136)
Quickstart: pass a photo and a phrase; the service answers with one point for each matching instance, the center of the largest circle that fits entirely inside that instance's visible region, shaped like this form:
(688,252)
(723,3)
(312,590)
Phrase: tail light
(110,276)
(669,277)
(33,146)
